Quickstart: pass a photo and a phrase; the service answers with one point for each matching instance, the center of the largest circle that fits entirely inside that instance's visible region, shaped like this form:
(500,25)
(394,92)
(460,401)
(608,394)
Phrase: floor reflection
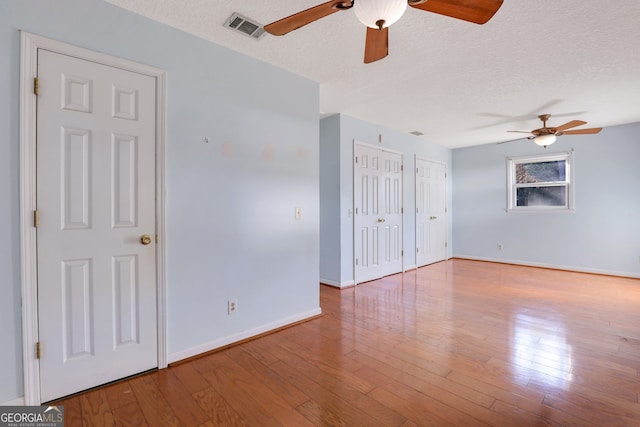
(541,351)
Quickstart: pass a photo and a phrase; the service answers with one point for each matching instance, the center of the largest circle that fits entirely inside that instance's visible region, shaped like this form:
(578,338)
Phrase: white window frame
(569,184)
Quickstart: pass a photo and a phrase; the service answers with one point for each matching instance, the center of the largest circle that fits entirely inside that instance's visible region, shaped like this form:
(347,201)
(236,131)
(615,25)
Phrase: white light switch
(298,213)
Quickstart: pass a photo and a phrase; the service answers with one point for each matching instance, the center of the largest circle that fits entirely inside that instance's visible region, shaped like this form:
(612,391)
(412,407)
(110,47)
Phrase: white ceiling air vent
(416,133)
(244,25)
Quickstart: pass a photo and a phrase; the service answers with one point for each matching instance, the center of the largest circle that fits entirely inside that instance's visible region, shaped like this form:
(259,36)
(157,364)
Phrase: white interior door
(378,213)
(431,224)
(95,198)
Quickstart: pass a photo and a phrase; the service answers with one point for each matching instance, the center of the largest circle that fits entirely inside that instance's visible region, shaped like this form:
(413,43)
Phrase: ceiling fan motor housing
(544,131)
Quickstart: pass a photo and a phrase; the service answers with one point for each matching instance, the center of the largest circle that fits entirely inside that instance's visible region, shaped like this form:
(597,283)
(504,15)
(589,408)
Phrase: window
(540,183)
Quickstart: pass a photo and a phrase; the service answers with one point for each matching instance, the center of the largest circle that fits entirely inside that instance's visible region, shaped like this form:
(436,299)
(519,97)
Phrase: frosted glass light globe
(544,140)
(370,12)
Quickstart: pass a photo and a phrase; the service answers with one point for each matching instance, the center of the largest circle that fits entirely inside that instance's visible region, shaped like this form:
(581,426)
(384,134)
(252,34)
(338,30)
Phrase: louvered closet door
(96,198)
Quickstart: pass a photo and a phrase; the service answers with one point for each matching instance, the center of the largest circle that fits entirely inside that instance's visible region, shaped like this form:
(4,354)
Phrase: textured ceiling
(460,84)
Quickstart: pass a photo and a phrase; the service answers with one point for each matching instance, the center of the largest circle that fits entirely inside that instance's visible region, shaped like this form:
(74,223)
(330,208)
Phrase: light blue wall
(330,242)
(230,203)
(603,235)
(351,129)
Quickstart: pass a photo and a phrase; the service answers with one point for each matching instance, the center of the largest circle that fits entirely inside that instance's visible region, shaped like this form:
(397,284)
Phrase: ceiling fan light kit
(379,14)
(545,140)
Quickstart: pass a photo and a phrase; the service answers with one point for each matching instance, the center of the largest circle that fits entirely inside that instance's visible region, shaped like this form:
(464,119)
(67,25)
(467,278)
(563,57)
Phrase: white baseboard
(341,285)
(15,402)
(552,266)
(212,345)
(410,267)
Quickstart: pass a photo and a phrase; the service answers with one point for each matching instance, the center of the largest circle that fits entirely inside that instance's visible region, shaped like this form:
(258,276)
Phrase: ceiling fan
(378,15)
(546,135)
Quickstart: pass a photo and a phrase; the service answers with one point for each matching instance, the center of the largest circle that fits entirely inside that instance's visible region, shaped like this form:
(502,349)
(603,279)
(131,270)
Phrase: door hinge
(356,211)
(401,210)
(36,86)
(157,238)
(36,218)
(356,261)
(446,244)
(356,159)
(402,167)
(417,250)
(445,210)
(402,253)
(38,352)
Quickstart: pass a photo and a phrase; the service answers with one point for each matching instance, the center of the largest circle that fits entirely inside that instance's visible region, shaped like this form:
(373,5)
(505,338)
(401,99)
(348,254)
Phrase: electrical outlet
(232,306)
(499,246)
(298,213)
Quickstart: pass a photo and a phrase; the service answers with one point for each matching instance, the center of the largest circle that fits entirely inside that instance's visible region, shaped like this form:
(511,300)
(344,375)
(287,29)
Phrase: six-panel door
(96,199)
(378,213)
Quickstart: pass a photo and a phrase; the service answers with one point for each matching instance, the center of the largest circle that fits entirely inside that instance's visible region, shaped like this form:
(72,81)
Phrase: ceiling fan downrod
(544,118)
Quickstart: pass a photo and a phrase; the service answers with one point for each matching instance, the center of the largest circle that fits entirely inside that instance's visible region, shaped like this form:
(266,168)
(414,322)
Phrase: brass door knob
(381,220)
(145,239)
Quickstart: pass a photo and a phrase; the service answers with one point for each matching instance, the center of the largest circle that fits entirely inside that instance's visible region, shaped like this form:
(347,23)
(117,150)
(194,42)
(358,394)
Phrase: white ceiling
(461,84)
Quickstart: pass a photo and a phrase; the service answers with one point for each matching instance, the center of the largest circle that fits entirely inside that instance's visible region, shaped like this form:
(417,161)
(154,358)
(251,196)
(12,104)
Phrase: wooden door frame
(30,43)
(357,143)
(446,206)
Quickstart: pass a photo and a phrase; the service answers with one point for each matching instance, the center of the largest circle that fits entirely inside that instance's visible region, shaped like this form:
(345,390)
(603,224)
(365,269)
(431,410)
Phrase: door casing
(30,43)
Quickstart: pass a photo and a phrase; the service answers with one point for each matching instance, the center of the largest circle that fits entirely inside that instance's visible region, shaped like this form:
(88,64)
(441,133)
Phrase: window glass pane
(541,196)
(527,173)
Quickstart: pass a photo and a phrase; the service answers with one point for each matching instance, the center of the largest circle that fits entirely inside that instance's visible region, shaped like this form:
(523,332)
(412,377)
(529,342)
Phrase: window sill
(541,211)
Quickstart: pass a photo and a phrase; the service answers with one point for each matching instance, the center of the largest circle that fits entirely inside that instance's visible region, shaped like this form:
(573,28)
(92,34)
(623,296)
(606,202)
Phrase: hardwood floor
(460,343)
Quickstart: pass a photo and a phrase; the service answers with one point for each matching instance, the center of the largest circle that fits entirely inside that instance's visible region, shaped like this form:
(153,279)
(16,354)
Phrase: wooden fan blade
(581,131)
(569,125)
(377,44)
(518,131)
(513,140)
(300,19)
(478,11)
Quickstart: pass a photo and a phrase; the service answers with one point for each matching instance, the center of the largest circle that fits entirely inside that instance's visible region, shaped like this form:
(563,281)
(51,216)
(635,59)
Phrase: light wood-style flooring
(458,343)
